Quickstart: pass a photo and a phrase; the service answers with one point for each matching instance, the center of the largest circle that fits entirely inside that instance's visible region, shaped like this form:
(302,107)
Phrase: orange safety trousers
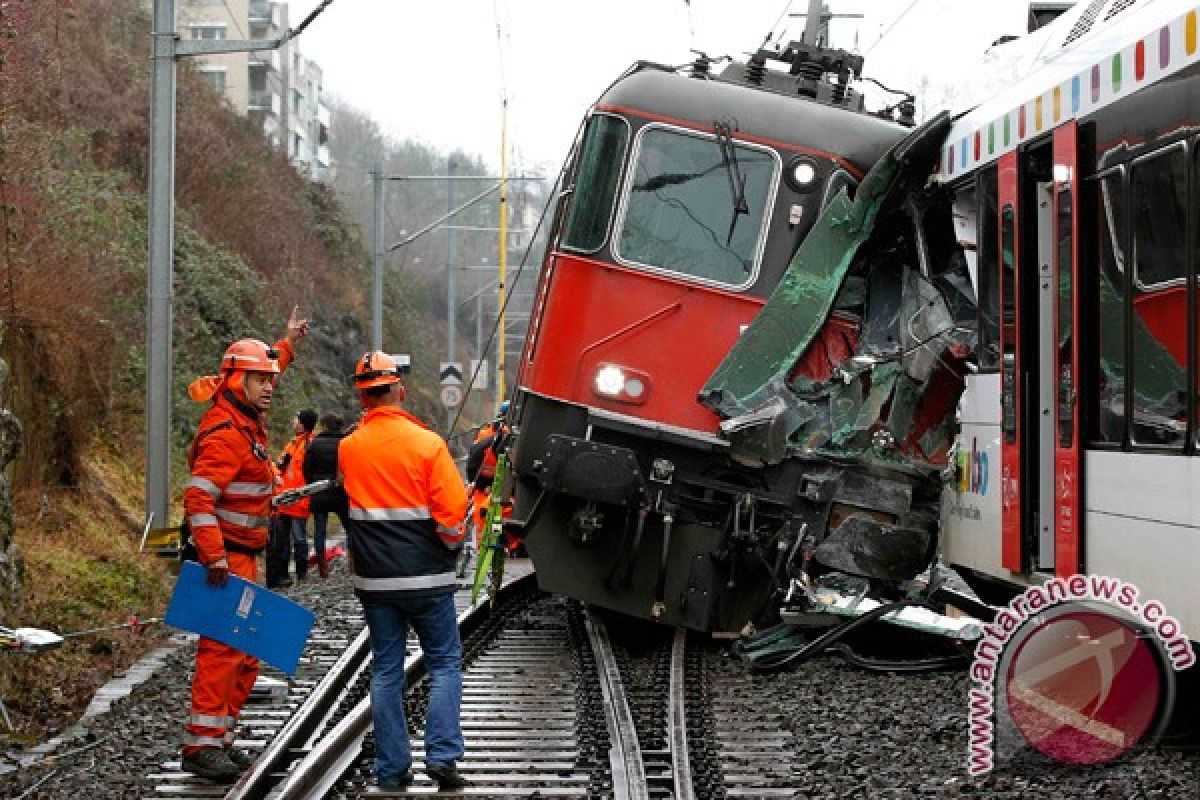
(223,680)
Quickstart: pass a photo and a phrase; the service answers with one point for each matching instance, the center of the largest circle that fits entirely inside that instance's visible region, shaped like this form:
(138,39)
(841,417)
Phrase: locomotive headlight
(625,385)
(610,380)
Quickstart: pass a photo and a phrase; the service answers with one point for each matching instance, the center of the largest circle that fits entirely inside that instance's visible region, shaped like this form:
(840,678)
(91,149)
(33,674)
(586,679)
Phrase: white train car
(1078,202)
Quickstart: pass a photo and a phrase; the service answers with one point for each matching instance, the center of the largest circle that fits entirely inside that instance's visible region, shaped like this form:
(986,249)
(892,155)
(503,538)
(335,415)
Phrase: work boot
(446,776)
(212,763)
(392,784)
(244,759)
(322,567)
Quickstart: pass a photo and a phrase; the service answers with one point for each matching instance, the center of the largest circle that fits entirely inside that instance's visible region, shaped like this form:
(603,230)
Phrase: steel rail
(257,781)
(325,764)
(681,765)
(625,753)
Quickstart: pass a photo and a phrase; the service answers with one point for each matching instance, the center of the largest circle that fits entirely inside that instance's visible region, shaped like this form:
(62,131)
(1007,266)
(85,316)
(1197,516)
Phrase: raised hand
(297,328)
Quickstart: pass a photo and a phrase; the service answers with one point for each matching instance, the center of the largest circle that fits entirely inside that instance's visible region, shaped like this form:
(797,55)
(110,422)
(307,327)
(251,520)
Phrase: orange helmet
(378,369)
(250,355)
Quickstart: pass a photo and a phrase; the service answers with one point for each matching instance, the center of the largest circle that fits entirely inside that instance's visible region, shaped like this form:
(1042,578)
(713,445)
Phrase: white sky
(431,69)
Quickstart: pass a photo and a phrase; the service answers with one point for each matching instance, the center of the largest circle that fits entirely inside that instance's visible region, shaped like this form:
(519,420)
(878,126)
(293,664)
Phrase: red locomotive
(685,199)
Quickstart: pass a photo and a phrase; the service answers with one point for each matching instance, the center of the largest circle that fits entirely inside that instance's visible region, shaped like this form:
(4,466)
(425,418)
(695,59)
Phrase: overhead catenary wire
(316,12)
(771,33)
(891,27)
(241,31)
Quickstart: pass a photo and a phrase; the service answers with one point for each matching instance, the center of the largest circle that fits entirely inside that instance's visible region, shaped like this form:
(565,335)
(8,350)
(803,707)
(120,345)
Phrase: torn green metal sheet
(800,305)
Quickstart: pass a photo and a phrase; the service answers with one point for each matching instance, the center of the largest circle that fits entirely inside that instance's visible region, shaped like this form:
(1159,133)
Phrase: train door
(1013,550)
(1043,516)
(1068,521)
(1039,362)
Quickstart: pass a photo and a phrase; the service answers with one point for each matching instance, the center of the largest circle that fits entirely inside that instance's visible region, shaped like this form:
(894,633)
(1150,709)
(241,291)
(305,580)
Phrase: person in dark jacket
(320,463)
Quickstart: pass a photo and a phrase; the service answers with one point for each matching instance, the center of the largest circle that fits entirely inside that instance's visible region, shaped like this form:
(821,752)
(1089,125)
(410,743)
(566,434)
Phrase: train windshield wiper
(737,181)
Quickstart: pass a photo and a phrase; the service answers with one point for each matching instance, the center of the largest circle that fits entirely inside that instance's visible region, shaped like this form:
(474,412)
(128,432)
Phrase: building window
(208,31)
(215,78)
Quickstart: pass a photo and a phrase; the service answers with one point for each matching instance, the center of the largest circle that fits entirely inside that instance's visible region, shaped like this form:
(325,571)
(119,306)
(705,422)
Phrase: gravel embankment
(894,737)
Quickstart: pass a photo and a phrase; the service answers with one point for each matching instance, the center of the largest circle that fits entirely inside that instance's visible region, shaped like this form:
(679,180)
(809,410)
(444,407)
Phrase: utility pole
(165,49)
(501,389)
(162,239)
(451,280)
(377,262)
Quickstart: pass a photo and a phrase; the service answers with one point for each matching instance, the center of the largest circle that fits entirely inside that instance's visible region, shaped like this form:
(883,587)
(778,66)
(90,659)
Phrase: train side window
(1158,205)
(1108,400)
(693,210)
(1008,332)
(596,180)
(988,271)
(1195,309)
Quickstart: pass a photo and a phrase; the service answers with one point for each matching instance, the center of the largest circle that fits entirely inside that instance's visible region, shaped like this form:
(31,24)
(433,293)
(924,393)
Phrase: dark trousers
(288,538)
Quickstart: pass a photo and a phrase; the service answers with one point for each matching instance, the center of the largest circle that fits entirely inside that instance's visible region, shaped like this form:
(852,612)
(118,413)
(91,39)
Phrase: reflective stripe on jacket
(406,505)
(228,497)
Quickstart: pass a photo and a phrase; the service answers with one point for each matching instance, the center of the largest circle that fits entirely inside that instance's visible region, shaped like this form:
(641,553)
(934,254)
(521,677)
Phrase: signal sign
(480,371)
(451,373)
(452,395)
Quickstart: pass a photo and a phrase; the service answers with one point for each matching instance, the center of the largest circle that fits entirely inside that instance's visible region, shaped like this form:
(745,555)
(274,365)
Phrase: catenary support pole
(159,269)
(165,49)
(501,389)
(451,280)
(812,24)
(377,263)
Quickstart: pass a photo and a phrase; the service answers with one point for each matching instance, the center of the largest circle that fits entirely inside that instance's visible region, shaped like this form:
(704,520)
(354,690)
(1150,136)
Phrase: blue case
(241,614)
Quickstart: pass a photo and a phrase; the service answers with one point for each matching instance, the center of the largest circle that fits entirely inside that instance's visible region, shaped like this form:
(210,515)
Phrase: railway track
(554,705)
(551,711)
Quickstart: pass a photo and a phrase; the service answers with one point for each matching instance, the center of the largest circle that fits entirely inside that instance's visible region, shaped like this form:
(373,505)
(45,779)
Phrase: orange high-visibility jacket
(407,503)
(293,473)
(227,501)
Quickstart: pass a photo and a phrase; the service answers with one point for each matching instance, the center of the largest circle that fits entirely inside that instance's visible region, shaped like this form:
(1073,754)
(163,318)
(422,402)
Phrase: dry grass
(82,571)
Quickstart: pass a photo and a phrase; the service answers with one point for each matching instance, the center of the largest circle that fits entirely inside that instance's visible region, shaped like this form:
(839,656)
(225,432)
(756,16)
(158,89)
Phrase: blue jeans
(320,526)
(434,620)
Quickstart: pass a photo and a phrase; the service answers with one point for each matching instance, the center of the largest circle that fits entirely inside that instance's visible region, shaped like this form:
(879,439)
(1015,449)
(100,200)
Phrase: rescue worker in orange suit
(481,468)
(227,503)
(406,507)
(292,531)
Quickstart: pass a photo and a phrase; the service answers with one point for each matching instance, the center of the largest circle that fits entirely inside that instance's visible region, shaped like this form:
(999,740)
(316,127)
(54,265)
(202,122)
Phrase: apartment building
(279,90)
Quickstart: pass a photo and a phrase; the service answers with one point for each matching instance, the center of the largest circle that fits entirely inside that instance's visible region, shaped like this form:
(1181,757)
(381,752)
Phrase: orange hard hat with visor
(378,369)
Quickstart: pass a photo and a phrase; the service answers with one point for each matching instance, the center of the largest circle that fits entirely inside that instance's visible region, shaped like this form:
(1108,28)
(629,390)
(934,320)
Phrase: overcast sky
(436,70)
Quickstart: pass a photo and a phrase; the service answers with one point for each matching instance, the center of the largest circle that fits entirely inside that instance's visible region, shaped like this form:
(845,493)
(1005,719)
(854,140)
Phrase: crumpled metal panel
(800,305)
(926,317)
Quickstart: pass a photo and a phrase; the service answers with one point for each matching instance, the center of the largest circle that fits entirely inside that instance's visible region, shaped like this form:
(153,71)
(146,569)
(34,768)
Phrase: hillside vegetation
(252,239)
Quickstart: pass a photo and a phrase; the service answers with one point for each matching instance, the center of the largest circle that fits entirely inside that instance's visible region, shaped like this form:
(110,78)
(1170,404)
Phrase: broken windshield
(678,207)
